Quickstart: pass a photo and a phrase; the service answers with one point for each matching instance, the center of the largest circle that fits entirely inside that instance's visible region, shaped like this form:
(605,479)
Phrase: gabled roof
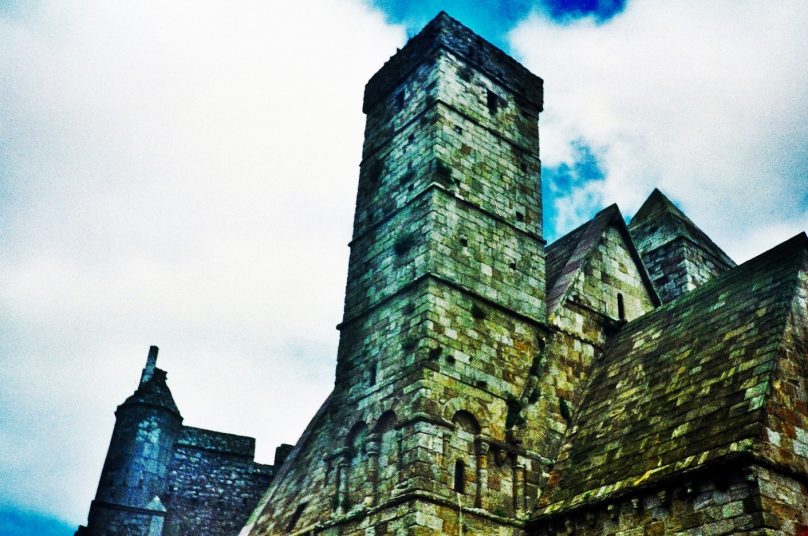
(568,255)
(659,221)
(682,386)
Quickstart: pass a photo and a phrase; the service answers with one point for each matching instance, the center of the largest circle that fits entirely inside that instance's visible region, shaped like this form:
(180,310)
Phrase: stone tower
(135,471)
(161,478)
(444,310)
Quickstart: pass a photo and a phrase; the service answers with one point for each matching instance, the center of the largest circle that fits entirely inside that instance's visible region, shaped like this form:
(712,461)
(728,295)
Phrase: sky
(184,174)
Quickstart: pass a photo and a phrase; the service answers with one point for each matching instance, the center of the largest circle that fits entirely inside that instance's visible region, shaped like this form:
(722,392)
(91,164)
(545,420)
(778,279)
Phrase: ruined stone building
(163,478)
(625,379)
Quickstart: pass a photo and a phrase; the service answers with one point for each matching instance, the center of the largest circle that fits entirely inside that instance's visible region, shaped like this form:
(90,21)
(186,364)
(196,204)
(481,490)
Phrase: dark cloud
(565,11)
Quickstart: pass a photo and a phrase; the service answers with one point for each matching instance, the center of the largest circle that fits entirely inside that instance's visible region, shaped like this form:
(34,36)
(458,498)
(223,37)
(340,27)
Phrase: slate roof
(566,256)
(154,392)
(683,385)
(659,221)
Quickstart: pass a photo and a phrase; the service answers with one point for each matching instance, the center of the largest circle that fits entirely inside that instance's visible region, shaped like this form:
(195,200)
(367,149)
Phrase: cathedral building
(625,379)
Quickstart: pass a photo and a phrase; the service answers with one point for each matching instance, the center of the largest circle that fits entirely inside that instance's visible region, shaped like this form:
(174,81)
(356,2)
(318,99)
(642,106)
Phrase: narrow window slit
(372,375)
(621,308)
(460,476)
(295,516)
(492,101)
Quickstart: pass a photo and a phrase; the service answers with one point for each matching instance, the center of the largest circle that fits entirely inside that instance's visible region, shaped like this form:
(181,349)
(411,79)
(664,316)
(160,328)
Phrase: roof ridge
(732,273)
(656,207)
(654,203)
(734,329)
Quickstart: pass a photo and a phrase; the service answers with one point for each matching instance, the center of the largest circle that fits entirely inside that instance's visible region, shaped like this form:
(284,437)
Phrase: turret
(135,472)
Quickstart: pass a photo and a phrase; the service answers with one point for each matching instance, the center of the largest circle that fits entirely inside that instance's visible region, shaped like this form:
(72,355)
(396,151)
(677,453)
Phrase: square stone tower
(444,309)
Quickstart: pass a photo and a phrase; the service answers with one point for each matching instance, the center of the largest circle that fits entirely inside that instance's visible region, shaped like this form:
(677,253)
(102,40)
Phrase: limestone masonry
(163,478)
(626,379)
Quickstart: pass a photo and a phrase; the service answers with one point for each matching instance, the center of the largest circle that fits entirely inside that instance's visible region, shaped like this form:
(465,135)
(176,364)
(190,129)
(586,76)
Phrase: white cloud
(183,174)
(706,100)
(180,174)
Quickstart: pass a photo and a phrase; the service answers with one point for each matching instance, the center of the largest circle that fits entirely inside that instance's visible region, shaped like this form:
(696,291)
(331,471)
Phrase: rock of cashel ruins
(627,379)
(161,477)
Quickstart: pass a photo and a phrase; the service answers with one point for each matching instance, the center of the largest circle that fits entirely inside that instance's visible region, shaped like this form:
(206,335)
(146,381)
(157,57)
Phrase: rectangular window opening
(492,101)
(460,476)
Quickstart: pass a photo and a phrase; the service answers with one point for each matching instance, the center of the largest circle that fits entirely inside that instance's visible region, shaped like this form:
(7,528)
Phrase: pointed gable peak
(679,255)
(567,256)
(657,203)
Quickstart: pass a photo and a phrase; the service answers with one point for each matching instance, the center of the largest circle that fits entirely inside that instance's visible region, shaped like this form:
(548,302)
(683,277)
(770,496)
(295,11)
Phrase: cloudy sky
(183,174)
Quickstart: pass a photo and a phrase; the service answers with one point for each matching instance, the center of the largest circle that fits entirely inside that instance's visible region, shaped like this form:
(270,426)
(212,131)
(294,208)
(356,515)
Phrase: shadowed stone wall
(164,479)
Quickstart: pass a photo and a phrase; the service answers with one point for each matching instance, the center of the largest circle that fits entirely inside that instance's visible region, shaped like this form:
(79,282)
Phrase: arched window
(386,422)
(357,481)
(466,422)
(389,453)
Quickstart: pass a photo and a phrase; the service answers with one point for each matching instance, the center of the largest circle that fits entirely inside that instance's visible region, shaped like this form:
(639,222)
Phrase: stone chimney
(151,362)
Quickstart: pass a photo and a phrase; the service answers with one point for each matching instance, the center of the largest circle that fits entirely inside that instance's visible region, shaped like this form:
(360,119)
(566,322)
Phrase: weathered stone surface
(483,387)
(689,383)
(679,255)
(444,308)
(163,478)
(624,380)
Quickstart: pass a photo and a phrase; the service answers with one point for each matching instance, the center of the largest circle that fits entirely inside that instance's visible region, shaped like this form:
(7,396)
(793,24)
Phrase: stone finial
(151,362)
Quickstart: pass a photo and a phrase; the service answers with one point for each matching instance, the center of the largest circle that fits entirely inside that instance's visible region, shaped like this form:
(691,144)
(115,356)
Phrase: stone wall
(783,503)
(579,329)
(444,306)
(609,277)
(680,266)
(733,498)
(726,502)
(787,407)
(117,520)
(213,483)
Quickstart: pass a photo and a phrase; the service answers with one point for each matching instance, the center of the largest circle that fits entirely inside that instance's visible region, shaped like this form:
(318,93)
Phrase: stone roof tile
(682,385)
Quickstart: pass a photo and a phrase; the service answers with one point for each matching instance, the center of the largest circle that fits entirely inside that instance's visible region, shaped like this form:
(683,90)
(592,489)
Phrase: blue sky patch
(560,181)
(493,19)
(15,522)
